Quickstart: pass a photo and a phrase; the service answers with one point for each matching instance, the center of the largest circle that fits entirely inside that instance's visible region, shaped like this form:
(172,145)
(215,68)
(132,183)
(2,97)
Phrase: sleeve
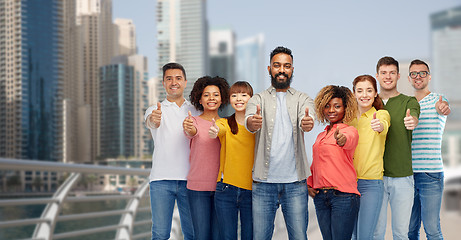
(148,123)
(385,119)
(352,136)
(413,105)
(306,102)
(251,108)
(222,124)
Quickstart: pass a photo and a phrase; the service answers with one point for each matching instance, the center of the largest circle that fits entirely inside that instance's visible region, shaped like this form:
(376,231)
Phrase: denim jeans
(203,213)
(398,192)
(371,200)
(267,197)
(426,206)
(336,213)
(230,201)
(162,198)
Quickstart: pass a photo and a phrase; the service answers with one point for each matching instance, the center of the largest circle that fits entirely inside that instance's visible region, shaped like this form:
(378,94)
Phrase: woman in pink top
(208,95)
(333,183)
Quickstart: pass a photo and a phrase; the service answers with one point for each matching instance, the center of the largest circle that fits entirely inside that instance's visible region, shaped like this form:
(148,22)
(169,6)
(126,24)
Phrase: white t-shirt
(170,160)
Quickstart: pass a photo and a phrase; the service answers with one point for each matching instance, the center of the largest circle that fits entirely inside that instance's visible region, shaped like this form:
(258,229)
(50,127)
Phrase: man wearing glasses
(427,156)
(398,173)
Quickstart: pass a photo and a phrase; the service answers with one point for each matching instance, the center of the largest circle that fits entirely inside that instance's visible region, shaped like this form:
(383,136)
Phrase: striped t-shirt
(427,136)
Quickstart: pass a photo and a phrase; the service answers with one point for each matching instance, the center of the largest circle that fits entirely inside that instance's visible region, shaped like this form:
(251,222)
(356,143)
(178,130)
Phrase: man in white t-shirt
(170,160)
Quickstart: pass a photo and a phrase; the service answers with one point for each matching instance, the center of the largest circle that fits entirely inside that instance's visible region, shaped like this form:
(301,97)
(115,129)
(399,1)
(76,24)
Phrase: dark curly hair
(329,92)
(281,49)
(202,83)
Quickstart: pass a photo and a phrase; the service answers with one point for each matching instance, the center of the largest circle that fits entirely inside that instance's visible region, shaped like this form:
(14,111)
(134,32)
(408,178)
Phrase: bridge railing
(45,224)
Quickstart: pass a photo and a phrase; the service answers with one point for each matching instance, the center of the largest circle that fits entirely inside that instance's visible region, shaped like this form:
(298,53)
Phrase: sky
(333,41)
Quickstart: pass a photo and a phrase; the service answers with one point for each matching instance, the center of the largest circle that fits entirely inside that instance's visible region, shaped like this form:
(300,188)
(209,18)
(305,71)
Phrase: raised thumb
(190,114)
(307,112)
(159,106)
(258,109)
(440,99)
(374,115)
(408,112)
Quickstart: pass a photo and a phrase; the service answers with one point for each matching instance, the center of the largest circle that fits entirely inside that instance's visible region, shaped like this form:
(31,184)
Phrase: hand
(214,130)
(312,192)
(188,125)
(156,116)
(255,122)
(442,107)
(410,121)
(340,138)
(307,122)
(376,124)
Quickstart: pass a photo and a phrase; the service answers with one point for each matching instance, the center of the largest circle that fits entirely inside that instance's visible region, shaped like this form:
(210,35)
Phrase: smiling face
(239,101)
(334,111)
(419,83)
(387,76)
(211,98)
(365,94)
(281,71)
(174,83)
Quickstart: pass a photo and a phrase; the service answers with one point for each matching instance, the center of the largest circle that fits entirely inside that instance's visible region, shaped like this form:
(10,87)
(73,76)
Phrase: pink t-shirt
(332,165)
(204,158)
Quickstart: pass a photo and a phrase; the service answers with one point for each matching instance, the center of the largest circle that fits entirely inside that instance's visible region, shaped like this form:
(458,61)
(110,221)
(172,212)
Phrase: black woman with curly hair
(208,95)
(333,183)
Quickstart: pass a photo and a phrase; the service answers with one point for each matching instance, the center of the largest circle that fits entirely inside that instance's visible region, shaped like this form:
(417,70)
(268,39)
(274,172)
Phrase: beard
(281,85)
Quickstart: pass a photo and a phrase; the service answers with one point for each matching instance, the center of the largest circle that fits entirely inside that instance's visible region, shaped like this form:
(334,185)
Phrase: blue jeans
(162,198)
(336,213)
(229,201)
(293,198)
(371,200)
(426,206)
(398,192)
(203,214)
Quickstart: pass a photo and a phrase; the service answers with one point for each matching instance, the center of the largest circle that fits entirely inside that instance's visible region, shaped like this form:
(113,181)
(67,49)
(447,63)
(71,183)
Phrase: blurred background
(76,76)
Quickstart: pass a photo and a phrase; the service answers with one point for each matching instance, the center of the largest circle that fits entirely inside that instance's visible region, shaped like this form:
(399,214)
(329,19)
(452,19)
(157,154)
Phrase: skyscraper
(125,35)
(182,34)
(250,62)
(30,79)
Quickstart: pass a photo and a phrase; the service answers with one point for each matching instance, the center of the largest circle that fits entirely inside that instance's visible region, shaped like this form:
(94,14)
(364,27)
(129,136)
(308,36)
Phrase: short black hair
(173,65)
(387,61)
(281,49)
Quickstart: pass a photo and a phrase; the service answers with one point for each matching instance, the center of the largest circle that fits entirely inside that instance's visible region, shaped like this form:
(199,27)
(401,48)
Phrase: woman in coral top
(372,123)
(207,95)
(233,190)
(333,183)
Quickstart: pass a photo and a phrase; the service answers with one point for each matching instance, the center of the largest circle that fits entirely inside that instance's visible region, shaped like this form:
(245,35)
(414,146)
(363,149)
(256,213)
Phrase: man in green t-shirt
(398,172)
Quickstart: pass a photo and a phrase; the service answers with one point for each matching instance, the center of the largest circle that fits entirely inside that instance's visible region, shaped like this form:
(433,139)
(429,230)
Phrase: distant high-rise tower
(182,34)
(250,62)
(446,52)
(95,20)
(31,79)
(125,35)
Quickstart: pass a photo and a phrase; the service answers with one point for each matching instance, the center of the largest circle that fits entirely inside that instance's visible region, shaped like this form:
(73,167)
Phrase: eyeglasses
(422,74)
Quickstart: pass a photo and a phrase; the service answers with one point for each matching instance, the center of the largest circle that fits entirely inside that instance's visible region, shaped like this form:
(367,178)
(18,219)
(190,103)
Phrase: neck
(210,114)
(178,100)
(386,94)
(363,110)
(240,117)
(420,94)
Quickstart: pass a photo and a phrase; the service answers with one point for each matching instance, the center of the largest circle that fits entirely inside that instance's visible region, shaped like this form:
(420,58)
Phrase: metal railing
(45,224)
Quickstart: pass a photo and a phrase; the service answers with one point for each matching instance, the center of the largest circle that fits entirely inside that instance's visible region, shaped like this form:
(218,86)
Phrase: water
(34,211)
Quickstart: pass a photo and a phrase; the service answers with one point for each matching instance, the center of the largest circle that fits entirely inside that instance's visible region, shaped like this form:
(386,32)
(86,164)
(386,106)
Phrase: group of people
(376,149)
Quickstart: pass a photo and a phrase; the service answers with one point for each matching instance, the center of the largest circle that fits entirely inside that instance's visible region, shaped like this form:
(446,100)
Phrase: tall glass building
(182,34)
(30,86)
(117,113)
(250,61)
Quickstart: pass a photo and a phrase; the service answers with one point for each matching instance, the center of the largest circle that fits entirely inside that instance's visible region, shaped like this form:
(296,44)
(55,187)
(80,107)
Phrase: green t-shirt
(397,154)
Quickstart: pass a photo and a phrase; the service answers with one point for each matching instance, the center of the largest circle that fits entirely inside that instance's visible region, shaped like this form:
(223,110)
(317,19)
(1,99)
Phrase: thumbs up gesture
(255,122)
(188,125)
(410,121)
(442,107)
(214,130)
(340,138)
(156,116)
(376,124)
(307,122)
